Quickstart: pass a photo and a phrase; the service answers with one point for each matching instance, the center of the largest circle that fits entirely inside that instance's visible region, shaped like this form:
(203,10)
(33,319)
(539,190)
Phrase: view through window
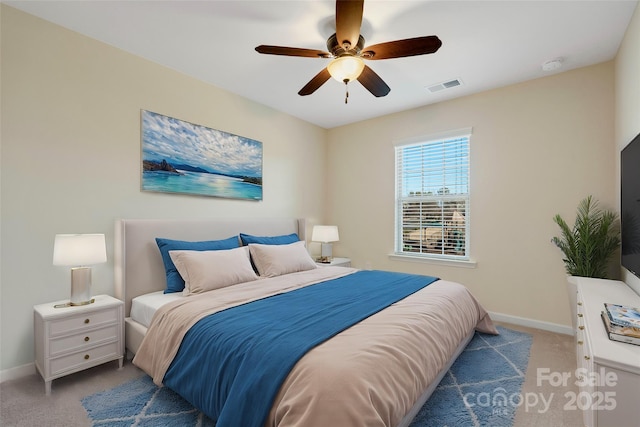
(432,198)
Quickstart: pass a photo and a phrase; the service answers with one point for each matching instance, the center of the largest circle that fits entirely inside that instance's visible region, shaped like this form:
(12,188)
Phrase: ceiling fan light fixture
(346,67)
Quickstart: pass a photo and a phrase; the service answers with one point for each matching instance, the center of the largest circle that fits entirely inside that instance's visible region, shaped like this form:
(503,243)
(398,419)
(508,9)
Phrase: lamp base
(80,286)
(326,253)
(91,301)
(74,304)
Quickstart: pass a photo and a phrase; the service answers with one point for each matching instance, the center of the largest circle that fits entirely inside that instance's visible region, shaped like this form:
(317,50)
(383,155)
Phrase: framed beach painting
(182,157)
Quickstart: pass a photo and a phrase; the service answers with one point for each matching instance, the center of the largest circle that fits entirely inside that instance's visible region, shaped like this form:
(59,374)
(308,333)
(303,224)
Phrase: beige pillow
(275,260)
(208,270)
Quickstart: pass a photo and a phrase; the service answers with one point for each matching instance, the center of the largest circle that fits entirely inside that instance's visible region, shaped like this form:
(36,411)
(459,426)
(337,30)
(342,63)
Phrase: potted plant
(589,245)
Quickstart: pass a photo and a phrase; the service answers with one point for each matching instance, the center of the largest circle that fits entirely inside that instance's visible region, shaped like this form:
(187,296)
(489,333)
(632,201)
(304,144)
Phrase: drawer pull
(581,328)
(86,357)
(86,321)
(580,342)
(86,339)
(580,315)
(580,303)
(587,358)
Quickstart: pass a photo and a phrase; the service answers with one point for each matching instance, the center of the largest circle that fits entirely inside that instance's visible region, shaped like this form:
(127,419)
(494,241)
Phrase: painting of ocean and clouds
(181,157)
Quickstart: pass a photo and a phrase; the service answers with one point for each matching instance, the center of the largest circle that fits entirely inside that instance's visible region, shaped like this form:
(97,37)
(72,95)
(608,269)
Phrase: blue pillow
(175,283)
(269,240)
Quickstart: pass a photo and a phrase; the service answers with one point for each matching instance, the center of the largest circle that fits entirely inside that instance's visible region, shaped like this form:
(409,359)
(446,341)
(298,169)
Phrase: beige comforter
(369,375)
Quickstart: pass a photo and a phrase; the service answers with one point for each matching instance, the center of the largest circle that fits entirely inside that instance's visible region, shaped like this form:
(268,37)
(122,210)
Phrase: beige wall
(71,158)
(537,149)
(627,70)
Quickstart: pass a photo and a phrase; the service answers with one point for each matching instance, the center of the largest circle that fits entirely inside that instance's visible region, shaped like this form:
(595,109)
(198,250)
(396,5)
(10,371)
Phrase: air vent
(445,85)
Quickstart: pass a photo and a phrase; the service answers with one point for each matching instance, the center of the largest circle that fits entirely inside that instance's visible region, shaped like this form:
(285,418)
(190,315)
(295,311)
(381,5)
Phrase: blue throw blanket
(231,364)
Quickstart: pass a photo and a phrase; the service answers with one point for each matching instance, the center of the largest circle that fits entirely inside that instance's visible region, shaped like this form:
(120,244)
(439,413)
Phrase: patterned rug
(482,388)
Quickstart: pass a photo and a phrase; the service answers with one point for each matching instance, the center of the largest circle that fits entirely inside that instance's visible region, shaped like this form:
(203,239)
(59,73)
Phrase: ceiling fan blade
(292,51)
(348,21)
(315,83)
(402,48)
(373,83)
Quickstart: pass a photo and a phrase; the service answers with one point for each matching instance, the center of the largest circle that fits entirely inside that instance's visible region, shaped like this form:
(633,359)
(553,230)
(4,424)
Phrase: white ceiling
(485,44)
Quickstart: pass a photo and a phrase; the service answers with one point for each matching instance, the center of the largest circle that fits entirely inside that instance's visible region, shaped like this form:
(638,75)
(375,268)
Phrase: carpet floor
(481,388)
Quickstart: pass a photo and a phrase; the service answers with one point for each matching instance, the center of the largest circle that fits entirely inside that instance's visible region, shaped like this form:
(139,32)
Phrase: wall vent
(444,85)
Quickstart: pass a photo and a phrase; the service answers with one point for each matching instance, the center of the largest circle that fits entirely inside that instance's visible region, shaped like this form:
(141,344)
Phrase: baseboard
(532,323)
(17,372)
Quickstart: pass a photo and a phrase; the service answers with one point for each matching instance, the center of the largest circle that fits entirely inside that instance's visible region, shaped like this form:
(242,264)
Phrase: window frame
(399,253)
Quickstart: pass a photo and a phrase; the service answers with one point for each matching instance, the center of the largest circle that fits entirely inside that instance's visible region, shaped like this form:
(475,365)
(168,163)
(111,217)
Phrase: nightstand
(72,339)
(340,262)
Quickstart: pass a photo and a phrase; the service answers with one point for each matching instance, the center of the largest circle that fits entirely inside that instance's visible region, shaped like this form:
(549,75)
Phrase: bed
(378,371)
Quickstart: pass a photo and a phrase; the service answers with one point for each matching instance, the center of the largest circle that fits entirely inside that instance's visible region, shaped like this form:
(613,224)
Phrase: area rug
(482,388)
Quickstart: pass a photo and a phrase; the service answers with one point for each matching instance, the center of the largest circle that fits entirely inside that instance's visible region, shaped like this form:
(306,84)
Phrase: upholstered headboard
(138,264)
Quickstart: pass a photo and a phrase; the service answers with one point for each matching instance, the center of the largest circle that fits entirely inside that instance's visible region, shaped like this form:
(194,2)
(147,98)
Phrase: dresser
(608,374)
(73,338)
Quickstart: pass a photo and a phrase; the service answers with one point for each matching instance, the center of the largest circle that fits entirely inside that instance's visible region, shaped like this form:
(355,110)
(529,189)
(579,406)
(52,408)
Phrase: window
(432,197)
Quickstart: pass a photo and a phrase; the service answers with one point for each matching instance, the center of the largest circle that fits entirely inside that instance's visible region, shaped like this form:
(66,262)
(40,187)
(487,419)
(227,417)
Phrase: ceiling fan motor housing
(337,49)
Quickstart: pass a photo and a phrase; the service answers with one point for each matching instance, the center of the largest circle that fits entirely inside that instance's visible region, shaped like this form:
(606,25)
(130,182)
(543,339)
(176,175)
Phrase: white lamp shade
(79,249)
(325,233)
(346,68)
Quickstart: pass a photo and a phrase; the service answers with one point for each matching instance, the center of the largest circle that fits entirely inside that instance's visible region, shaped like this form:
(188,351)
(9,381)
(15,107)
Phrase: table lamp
(80,251)
(325,234)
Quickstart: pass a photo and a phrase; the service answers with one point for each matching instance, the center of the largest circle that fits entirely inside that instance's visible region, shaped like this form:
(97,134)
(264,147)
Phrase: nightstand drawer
(82,359)
(83,322)
(79,341)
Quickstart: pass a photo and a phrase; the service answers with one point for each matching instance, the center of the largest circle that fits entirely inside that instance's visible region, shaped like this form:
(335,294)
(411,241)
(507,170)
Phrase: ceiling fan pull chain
(346,89)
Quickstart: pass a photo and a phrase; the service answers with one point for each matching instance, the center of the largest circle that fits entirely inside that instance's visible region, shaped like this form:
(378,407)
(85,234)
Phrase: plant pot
(572,290)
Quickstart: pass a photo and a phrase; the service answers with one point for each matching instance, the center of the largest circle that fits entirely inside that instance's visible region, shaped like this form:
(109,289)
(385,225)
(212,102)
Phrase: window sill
(437,261)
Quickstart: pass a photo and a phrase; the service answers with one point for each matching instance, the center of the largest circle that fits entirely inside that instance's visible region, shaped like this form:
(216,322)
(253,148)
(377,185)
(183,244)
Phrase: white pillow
(275,260)
(208,270)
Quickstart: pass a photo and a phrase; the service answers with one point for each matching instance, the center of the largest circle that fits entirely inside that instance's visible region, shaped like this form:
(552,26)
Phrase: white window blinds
(432,198)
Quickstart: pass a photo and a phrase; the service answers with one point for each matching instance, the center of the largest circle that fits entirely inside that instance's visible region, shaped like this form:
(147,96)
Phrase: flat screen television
(630,206)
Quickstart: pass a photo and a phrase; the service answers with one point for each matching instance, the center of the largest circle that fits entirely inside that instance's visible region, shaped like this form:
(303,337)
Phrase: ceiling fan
(346,48)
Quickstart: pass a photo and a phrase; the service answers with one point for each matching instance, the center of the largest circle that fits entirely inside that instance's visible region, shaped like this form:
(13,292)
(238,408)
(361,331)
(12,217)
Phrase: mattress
(144,306)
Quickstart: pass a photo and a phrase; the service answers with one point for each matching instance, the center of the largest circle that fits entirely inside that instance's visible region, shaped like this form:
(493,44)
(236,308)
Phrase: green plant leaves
(588,246)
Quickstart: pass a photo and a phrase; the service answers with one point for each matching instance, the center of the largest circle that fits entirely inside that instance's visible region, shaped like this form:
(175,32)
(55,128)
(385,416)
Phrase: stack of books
(622,323)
